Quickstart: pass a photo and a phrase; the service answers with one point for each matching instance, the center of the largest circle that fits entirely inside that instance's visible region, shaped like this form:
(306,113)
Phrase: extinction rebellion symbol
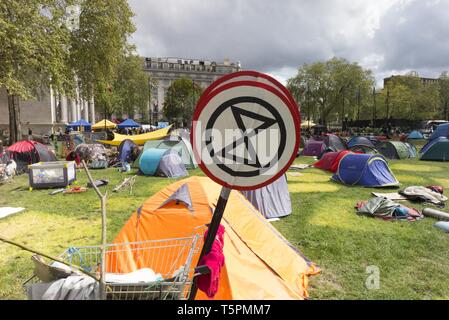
(245,131)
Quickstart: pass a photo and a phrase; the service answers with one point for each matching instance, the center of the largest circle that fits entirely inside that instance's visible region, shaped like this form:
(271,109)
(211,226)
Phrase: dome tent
(360,141)
(314,148)
(415,135)
(27,152)
(438,150)
(273,200)
(181,145)
(162,163)
(393,150)
(126,151)
(259,262)
(365,170)
(330,160)
(441,131)
(334,142)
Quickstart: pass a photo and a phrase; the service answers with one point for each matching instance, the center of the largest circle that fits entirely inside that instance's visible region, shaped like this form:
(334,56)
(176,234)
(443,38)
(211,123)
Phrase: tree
(132,86)
(34,42)
(444,94)
(180,100)
(98,46)
(332,89)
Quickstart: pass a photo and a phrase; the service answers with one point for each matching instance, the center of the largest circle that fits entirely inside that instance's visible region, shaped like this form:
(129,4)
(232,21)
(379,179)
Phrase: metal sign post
(245,135)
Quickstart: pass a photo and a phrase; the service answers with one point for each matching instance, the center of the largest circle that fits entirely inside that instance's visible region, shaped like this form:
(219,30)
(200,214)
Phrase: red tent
(326,161)
(27,152)
(331,160)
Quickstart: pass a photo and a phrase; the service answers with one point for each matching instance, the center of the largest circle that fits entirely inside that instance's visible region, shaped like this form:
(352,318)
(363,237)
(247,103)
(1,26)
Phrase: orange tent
(259,262)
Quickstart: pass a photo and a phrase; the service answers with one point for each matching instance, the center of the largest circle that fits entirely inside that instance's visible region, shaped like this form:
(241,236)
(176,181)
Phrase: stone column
(86,110)
(52,108)
(92,110)
(64,109)
(73,116)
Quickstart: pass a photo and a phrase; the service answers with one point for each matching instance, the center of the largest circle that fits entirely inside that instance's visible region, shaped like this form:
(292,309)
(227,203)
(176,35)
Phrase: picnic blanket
(7,211)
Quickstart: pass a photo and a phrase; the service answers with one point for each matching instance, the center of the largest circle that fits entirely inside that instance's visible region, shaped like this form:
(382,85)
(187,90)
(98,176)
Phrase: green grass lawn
(413,258)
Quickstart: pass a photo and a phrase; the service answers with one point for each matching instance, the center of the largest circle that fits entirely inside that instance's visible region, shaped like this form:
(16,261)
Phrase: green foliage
(181,99)
(443,89)
(131,86)
(332,90)
(98,45)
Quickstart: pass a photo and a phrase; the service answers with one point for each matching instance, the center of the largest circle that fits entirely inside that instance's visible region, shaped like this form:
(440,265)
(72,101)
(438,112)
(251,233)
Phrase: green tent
(181,145)
(393,150)
(439,151)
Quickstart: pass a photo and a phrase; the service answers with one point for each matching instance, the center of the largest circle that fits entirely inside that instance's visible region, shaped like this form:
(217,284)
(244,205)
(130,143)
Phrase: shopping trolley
(171,259)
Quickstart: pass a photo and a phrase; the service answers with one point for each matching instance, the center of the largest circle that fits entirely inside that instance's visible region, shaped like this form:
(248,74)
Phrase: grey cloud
(274,36)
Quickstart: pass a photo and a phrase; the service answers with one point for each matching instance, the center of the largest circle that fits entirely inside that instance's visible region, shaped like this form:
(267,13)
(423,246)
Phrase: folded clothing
(144,275)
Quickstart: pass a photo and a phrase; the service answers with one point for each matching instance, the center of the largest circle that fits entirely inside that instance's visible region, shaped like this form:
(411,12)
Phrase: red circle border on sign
(202,103)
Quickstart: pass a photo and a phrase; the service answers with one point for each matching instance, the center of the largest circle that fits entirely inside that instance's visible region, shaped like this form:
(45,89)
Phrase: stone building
(47,112)
(165,70)
(51,110)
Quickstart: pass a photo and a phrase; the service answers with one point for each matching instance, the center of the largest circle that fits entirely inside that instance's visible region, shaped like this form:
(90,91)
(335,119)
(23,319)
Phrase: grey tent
(162,163)
(273,200)
(181,145)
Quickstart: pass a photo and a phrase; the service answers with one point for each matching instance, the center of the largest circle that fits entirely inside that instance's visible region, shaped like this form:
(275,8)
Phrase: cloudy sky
(276,37)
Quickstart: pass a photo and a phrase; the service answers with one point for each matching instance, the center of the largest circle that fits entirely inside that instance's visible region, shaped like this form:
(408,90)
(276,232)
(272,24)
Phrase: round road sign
(245,134)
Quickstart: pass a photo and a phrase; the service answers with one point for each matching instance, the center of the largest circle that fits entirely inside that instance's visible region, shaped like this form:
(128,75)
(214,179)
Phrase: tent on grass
(273,200)
(330,160)
(181,145)
(393,149)
(441,131)
(314,148)
(128,123)
(438,150)
(360,141)
(27,152)
(415,135)
(413,152)
(365,170)
(335,143)
(127,151)
(259,262)
(162,163)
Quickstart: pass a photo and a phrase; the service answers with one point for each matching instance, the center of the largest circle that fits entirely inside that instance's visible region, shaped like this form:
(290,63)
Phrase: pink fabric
(208,283)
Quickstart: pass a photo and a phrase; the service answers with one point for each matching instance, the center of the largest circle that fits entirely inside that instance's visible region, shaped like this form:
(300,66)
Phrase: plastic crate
(56,174)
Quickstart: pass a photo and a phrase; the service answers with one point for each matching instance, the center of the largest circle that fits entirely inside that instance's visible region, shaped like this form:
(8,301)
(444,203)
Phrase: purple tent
(314,148)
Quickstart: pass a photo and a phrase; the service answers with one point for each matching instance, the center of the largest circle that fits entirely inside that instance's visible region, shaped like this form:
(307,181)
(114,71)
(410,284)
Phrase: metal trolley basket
(171,258)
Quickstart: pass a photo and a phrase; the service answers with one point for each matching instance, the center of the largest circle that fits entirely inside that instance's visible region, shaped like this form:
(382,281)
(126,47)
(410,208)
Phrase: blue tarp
(441,131)
(415,135)
(365,170)
(128,123)
(161,125)
(360,141)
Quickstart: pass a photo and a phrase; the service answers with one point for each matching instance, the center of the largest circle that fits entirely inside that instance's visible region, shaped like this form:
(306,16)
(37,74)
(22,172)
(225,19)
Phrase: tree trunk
(15,129)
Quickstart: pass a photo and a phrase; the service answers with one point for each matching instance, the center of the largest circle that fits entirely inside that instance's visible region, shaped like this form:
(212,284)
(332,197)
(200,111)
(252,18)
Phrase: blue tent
(360,141)
(80,123)
(163,163)
(441,131)
(125,151)
(365,170)
(128,123)
(415,135)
